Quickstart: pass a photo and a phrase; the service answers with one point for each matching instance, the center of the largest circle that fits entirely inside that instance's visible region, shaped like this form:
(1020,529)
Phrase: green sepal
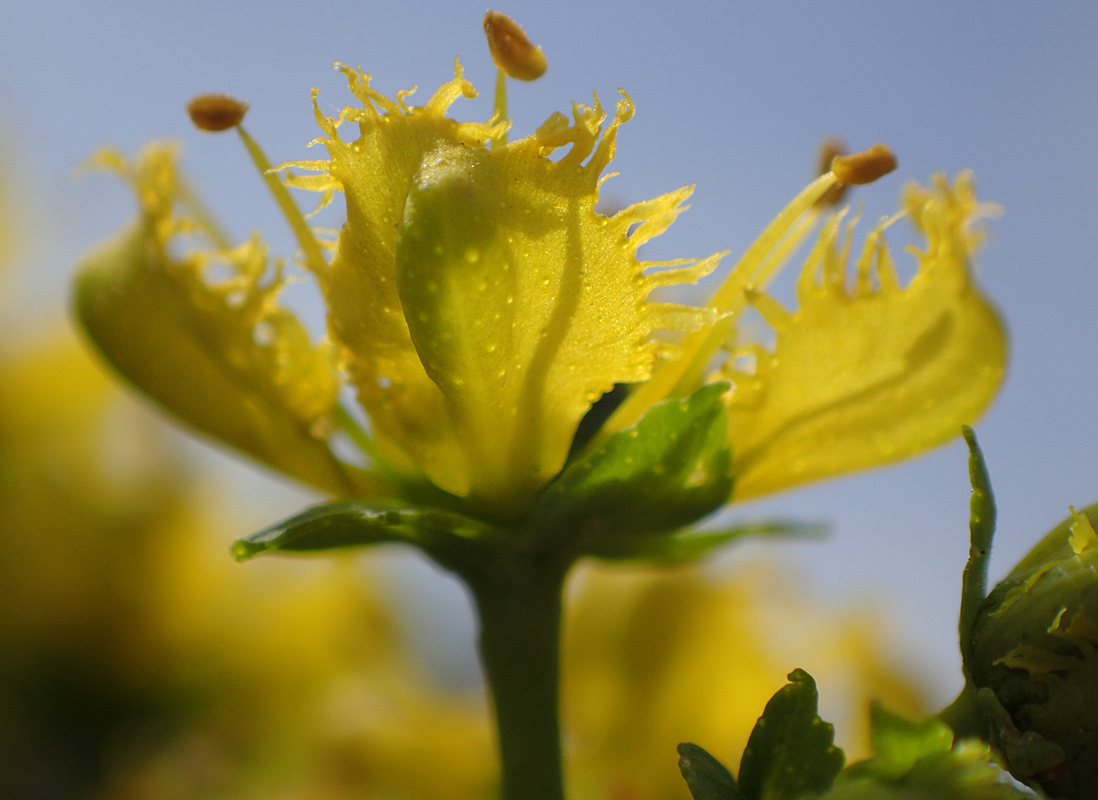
(981,526)
(966,772)
(690,545)
(791,752)
(707,778)
(669,470)
(919,760)
(899,742)
(359,523)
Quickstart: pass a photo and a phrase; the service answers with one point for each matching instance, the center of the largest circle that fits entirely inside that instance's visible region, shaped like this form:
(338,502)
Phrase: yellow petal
(524,305)
(865,375)
(223,357)
(365,318)
(480,303)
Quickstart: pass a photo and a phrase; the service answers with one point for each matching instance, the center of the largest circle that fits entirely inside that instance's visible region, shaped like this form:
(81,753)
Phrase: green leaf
(981,527)
(899,742)
(706,777)
(668,471)
(966,772)
(689,545)
(919,760)
(357,523)
(791,752)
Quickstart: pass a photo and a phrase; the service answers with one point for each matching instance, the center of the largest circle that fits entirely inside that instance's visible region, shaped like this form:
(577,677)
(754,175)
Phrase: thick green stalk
(519,605)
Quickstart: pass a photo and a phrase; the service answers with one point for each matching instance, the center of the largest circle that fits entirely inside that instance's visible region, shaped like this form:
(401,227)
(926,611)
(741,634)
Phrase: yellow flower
(478,305)
(654,658)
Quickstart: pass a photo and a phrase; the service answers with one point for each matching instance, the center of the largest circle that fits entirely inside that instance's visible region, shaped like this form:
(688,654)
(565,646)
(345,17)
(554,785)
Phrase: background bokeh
(731,96)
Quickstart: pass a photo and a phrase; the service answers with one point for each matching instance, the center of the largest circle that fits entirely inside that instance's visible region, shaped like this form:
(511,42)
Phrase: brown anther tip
(511,49)
(216,112)
(864,167)
(829,149)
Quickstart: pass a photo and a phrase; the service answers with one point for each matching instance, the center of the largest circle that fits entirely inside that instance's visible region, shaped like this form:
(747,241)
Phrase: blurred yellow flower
(292,682)
(140,662)
(478,305)
(654,658)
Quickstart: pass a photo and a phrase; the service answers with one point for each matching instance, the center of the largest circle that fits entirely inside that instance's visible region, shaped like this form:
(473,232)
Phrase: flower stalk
(518,602)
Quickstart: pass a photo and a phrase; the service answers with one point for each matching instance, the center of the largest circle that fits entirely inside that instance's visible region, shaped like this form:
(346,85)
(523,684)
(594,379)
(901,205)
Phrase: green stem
(519,603)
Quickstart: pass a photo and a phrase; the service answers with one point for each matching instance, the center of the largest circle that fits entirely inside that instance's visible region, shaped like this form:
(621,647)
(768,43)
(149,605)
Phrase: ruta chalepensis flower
(478,306)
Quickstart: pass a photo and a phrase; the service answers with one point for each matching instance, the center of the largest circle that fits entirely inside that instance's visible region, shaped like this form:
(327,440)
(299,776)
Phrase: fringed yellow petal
(479,303)
(220,355)
(375,172)
(525,305)
(870,374)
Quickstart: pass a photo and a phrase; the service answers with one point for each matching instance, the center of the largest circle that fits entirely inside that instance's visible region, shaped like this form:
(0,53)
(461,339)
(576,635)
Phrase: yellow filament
(314,259)
(500,107)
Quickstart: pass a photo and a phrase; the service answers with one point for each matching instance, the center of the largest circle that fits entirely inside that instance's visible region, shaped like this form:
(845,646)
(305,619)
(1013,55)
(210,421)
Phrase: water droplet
(472,255)
(432,286)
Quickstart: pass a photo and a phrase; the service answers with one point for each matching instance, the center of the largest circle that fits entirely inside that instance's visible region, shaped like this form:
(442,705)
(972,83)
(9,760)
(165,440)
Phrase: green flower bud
(1034,661)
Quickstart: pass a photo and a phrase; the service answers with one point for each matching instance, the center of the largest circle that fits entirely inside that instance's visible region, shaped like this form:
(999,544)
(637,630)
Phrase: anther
(511,49)
(864,167)
(216,112)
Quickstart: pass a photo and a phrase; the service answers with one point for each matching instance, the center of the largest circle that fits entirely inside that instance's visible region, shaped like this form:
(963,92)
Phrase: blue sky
(732,97)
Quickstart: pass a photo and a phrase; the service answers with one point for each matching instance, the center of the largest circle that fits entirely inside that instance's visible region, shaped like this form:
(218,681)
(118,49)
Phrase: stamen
(214,113)
(219,112)
(515,56)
